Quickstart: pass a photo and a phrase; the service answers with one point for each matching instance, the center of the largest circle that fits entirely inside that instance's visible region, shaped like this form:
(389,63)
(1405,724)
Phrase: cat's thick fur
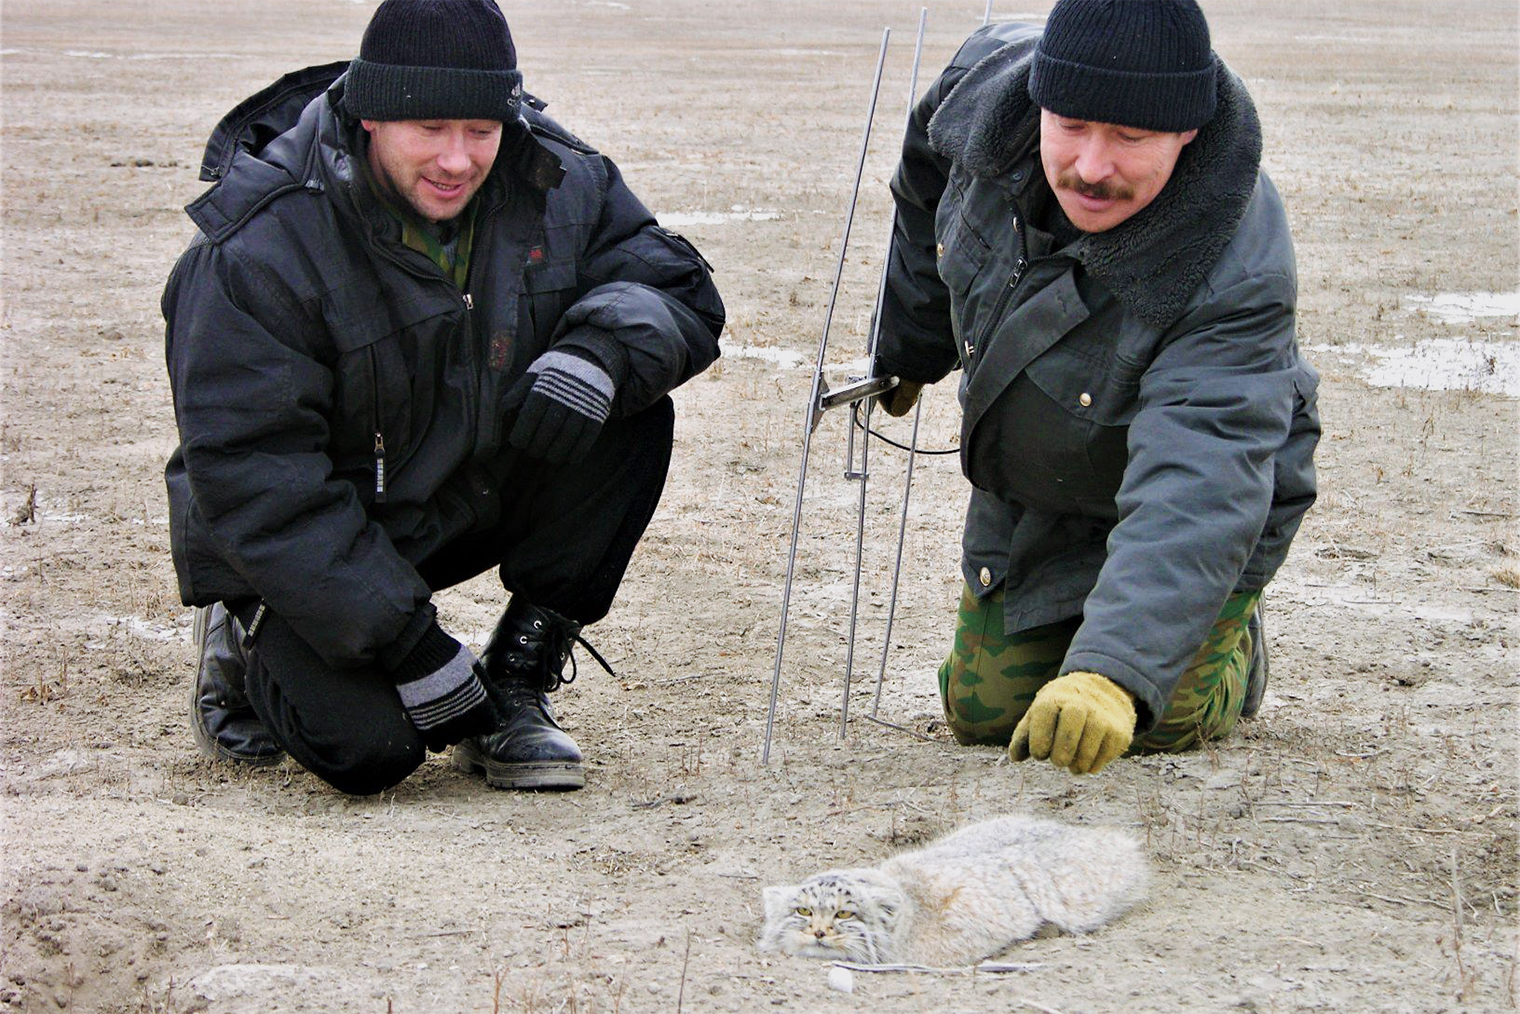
(961,898)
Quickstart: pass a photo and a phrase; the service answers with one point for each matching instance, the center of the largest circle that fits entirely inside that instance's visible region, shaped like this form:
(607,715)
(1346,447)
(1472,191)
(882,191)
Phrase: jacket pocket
(1099,389)
(548,290)
(1090,402)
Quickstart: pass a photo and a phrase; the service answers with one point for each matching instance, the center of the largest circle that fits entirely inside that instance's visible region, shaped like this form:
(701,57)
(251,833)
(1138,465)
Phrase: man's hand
(441,688)
(562,402)
(899,401)
(1079,721)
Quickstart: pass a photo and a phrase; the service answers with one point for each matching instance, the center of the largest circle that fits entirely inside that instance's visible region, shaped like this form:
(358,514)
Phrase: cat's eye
(844,913)
(803,910)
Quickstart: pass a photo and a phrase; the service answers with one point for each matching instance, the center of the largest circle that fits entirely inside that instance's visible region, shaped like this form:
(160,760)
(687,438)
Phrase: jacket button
(985,577)
(1084,399)
(939,250)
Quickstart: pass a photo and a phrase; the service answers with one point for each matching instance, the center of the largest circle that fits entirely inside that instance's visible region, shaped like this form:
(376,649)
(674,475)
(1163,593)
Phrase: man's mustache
(1100,191)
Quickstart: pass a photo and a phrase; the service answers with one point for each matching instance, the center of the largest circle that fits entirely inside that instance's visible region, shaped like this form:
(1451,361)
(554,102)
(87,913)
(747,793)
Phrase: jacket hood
(293,135)
(1154,261)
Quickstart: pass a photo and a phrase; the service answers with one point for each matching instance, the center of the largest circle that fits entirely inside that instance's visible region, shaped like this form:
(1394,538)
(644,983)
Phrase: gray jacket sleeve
(1215,408)
(917,342)
(916,339)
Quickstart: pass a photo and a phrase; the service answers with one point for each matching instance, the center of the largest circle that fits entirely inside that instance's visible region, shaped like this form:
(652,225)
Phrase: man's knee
(977,712)
(1212,690)
(363,766)
(990,677)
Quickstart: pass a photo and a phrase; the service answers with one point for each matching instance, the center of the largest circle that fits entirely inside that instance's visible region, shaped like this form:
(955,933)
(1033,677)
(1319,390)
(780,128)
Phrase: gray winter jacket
(1138,423)
(341,402)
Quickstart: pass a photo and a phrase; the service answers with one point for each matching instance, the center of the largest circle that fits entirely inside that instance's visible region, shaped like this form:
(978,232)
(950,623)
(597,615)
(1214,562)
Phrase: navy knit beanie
(1137,63)
(435,60)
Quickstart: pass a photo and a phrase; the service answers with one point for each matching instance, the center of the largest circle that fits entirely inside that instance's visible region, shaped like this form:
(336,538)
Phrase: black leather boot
(1256,674)
(524,662)
(221,719)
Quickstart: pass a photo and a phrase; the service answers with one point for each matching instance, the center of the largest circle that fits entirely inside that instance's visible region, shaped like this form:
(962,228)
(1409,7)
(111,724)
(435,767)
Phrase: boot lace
(544,653)
(559,643)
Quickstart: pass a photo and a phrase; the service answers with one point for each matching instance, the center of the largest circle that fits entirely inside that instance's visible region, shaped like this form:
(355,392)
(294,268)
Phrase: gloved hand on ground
(1080,721)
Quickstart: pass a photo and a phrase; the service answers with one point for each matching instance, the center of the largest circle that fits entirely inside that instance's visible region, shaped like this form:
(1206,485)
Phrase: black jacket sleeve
(252,404)
(647,289)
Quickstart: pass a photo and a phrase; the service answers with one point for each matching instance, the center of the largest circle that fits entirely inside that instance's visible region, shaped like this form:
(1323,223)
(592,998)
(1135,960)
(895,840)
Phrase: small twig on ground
(1456,938)
(987,967)
(681,993)
(1039,1006)
(1456,897)
(1299,820)
(1484,514)
(1400,900)
(1327,802)
(901,728)
(740,876)
(1426,830)
(678,799)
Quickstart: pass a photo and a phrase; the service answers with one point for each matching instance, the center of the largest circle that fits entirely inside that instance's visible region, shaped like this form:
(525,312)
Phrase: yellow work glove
(1080,721)
(899,401)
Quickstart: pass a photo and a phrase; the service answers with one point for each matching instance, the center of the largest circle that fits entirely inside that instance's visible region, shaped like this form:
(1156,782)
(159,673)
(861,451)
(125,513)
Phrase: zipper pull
(379,467)
(469,301)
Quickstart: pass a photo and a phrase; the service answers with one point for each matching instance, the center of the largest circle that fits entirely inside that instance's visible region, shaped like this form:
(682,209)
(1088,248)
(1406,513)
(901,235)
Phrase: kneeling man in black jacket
(423,331)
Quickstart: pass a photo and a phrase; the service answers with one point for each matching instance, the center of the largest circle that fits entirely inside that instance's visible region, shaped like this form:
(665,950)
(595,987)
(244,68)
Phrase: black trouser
(564,540)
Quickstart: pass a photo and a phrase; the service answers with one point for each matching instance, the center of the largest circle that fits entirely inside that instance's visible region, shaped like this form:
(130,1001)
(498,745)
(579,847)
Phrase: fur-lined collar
(1155,261)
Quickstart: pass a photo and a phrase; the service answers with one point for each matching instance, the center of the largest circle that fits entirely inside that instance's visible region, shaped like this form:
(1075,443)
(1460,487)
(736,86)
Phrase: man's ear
(1188,135)
(369,125)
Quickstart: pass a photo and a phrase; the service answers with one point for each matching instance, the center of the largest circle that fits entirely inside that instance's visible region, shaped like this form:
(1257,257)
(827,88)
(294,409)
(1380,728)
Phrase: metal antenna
(865,440)
(918,411)
(902,533)
(814,396)
(987,14)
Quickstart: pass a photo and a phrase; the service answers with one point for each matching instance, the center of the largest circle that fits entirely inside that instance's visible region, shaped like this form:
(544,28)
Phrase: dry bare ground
(1353,849)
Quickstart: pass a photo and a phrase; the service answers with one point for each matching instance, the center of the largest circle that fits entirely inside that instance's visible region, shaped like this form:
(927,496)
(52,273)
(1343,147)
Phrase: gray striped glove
(441,687)
(564,398)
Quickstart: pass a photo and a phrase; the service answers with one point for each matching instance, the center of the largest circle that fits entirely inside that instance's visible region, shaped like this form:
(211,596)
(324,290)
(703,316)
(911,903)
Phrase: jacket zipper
(1019,267)
(374,366)
(374,374)
(1001,304)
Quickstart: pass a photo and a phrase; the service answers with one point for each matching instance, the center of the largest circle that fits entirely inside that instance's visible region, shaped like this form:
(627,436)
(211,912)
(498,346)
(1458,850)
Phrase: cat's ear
(778,900)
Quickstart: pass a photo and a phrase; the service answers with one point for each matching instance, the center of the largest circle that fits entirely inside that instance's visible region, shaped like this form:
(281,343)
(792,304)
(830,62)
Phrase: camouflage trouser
(990,678)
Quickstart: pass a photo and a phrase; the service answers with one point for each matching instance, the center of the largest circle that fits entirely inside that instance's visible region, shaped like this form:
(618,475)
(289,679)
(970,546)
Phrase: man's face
(436,166)
(1102,173)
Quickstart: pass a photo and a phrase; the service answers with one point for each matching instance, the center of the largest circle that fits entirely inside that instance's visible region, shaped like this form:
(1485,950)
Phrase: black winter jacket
(339,400)
(1138,423)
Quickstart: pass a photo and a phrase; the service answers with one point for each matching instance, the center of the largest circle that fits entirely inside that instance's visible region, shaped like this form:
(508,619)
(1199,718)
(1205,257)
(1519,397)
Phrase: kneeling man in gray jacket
(1085,231)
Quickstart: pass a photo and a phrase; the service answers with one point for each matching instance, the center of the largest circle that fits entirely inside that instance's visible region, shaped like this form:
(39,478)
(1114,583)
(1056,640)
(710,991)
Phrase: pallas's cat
(961,898)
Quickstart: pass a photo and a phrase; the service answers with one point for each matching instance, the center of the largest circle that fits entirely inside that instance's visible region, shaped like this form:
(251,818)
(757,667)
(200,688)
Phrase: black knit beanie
(1137,63)
(435,59)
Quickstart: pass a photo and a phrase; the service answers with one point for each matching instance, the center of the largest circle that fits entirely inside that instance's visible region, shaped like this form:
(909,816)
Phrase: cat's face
(839,915)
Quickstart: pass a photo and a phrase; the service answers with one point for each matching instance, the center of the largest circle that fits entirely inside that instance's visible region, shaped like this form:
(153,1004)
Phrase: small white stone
(842,979)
